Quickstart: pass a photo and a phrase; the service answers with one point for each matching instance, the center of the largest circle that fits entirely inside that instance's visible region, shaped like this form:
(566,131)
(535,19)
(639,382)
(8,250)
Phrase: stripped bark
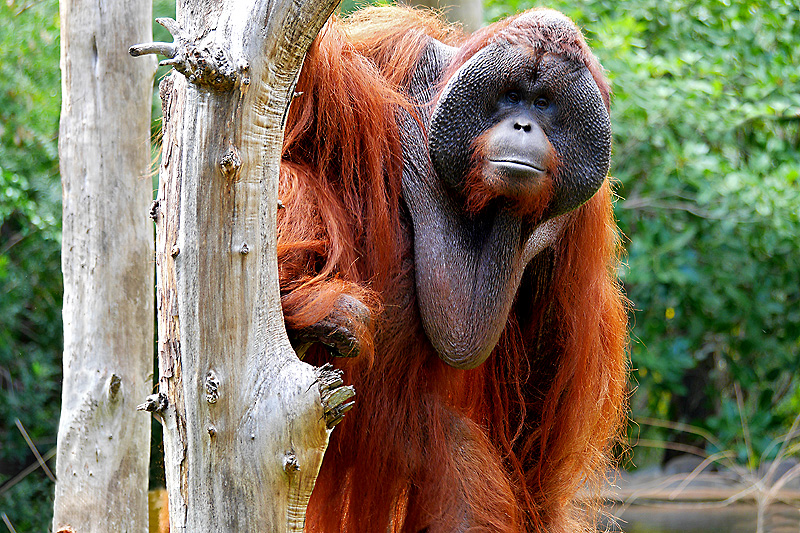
(107,261)
(246,423)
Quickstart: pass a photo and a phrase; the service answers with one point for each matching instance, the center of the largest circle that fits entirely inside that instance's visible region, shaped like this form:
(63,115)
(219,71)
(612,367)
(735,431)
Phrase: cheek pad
(465,108)
(582,138)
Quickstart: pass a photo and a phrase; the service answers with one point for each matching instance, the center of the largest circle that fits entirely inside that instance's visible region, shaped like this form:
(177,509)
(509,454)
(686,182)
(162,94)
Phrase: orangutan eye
(513,97)
(541,103)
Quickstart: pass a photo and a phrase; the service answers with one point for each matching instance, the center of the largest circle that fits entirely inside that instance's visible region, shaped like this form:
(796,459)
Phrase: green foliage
(30,241)
(706,115)
(161,8)
(30,267)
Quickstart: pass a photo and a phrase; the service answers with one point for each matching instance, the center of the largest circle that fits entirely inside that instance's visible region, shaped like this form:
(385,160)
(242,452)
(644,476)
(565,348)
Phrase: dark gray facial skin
(555,94)
(516,151)
(538,117)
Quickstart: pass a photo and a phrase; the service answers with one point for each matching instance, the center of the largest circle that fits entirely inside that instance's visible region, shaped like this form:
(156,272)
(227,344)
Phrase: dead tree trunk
(107,260)
(246,423)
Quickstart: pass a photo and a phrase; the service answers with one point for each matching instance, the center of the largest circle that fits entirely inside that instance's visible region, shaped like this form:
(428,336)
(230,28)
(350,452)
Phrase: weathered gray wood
(244,421)
(107,260)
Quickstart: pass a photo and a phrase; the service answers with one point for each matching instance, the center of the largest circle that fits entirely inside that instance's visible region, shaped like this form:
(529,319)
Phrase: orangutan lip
(516,165)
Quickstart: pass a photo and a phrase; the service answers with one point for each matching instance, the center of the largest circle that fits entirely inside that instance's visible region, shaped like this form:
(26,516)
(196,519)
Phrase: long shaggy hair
(504,447)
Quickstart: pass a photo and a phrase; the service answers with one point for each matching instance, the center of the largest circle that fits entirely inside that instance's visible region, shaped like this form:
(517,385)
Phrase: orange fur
(506,445)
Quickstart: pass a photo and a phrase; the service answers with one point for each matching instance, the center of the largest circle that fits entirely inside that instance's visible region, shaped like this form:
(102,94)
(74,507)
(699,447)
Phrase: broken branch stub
(203,63)
(335,394)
